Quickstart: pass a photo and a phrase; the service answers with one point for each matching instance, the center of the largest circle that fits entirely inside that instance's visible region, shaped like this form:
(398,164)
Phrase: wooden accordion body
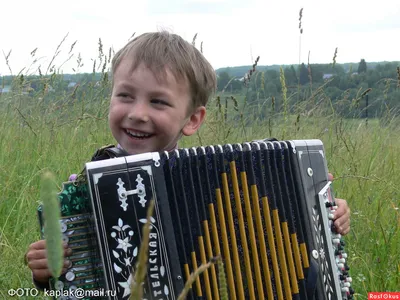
(264,207)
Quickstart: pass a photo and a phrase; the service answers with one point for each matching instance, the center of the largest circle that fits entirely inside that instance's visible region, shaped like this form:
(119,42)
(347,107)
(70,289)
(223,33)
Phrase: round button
(70,276)
(59,285)
(63,227)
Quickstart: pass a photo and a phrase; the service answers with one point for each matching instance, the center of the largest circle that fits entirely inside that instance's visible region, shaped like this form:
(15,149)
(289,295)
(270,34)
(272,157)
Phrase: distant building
(71,85)
(25,89)
(327,76)
(5,89)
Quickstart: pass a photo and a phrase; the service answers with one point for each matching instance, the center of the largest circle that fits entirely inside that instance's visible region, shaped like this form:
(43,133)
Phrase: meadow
(47,130)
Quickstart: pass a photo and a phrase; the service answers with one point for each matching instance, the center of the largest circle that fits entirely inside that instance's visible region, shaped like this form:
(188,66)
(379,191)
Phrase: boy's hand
(342,214)
(36,259)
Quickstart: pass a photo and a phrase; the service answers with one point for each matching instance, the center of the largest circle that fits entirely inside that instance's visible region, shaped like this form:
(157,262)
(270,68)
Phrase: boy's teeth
(135,134)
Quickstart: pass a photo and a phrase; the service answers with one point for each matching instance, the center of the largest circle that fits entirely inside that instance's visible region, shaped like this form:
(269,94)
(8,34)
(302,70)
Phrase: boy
(161,85)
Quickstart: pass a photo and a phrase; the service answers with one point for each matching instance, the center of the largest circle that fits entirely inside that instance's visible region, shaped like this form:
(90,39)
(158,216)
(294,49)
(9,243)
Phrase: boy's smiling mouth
(137,134)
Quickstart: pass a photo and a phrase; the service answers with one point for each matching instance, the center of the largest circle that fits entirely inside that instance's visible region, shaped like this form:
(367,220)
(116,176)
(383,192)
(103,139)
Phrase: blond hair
(162,50)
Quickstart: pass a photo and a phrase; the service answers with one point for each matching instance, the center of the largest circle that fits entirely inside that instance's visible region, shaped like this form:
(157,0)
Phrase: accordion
(265,207)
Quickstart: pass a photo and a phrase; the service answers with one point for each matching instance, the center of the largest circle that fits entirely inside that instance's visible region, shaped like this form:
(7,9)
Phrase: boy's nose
(139,113)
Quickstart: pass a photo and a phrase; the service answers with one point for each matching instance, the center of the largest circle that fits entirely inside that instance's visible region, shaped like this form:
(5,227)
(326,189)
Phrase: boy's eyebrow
(125,85)
(155,92)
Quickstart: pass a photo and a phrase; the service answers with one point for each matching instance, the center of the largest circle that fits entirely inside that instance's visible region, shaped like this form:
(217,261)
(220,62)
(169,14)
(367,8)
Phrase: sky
(233,32)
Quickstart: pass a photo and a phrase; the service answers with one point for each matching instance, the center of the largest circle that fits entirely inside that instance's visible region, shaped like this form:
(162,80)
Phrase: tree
(271,89)
(362,66)
(303,74)
(290,76)
(223,79)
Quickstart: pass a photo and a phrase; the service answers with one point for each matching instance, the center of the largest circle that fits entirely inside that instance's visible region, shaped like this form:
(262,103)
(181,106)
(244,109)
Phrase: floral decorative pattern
(124,254)
(321,250)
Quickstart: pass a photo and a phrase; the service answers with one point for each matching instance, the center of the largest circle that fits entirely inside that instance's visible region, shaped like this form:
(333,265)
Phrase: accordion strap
(312,279)
(105,152)
(109,151)
(266,140)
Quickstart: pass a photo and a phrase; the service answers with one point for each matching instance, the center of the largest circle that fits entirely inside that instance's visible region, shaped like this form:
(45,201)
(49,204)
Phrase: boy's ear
(195,121)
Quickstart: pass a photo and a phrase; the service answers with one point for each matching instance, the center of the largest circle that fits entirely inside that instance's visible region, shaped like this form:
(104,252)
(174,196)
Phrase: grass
(62,135)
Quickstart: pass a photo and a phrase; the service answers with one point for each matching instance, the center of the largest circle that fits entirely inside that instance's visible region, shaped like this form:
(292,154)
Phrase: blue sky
(233,32)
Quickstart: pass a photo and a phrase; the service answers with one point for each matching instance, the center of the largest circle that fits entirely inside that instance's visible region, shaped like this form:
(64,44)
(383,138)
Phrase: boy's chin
(135,151)
(151,144)
(139,149)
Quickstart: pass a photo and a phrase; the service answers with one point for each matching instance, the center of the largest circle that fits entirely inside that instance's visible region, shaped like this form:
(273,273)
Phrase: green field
(60,132)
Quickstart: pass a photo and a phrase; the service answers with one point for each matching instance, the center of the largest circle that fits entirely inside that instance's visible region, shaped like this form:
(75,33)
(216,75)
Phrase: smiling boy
(161,85)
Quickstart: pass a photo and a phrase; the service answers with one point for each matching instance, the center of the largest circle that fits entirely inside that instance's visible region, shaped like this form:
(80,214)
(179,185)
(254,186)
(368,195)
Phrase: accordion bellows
(265,208)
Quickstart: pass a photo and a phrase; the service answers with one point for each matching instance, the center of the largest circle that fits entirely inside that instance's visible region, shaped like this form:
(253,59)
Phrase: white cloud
(207,1)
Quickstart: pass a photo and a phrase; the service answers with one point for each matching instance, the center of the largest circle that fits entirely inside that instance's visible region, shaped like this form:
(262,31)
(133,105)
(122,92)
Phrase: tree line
(343,84)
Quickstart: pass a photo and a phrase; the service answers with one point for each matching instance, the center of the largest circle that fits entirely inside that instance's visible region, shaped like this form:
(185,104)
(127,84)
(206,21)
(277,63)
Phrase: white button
(59,285)
(70,276)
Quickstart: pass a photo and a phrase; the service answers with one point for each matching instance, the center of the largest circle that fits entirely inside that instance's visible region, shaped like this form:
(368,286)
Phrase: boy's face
(148,116)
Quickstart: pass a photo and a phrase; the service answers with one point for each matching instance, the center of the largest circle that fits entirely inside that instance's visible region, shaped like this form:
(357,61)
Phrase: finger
(346,231)
(342,207)
(67,252)
(41,275)
(341,202)
(343,228)
(339,212)
(330,177)
(38,264)
(340,217)
(36,255)
(342,221)
(41,245)
(42,253)
(38,245)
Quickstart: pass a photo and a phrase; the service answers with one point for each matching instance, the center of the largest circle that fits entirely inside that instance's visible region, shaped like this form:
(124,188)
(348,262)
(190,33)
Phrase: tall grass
(59,131)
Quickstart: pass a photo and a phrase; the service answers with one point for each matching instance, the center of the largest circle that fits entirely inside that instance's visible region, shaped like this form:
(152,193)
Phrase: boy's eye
(159,101)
